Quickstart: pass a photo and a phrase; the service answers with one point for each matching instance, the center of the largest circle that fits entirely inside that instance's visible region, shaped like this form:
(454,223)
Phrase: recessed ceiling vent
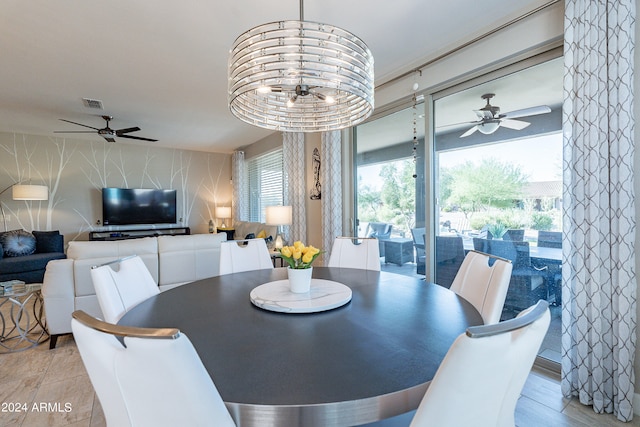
(92,103)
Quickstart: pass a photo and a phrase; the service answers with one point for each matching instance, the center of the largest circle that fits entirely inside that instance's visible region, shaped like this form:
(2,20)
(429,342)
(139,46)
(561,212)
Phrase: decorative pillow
(18,243)
(249,236)
(1,251)
(261,235)
(48,241)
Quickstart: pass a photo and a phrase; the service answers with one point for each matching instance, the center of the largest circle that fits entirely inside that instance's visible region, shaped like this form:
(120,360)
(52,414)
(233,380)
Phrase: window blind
(265,181)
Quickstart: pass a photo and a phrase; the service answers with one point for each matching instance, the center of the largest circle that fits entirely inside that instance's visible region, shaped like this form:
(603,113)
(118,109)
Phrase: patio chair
(515,235)
(380,231)
(418,235)
(528,283)
(449,258)
(550,239)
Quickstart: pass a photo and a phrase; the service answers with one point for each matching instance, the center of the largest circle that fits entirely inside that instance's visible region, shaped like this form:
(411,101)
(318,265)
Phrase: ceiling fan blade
(119,132)
(459,124)
(514,124)
(137,137)
(73,131)
(531,111)
(108,138)
(469,132)
(79,124)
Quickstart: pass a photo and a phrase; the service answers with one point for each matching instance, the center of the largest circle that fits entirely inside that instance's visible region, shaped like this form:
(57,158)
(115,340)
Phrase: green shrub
(542,220)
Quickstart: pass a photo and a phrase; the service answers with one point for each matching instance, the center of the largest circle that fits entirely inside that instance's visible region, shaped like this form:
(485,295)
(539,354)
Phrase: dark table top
(368,360)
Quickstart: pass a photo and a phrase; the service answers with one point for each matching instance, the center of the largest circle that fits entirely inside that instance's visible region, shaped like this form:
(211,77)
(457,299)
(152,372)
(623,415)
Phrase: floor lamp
(279,215)
(24,192)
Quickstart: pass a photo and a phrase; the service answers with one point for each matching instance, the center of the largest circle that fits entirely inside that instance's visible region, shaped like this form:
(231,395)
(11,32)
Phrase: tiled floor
(53,389)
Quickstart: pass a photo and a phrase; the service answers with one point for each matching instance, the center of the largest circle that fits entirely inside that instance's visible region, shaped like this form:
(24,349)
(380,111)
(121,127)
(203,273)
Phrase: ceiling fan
(490,118)
(106,132)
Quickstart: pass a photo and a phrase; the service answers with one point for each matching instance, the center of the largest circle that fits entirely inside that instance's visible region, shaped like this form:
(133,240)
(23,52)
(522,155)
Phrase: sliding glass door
(498,184)
(390,186)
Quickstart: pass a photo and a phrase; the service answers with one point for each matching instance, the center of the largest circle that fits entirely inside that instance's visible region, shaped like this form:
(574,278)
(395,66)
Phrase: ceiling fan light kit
(300,76)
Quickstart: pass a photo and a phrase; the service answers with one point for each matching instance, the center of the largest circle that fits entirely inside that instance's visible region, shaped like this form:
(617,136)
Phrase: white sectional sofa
(171,260)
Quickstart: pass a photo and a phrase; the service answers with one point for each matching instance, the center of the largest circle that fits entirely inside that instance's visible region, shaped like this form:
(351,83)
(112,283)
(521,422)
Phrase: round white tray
(324,295)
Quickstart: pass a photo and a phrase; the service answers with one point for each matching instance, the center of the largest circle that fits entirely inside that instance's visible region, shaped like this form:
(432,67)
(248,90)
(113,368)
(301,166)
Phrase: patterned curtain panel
(599,283)
(239,176)
(294,185)
(331,179)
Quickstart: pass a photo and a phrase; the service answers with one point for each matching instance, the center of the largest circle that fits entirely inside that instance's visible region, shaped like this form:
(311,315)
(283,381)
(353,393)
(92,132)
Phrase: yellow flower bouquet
(299,256)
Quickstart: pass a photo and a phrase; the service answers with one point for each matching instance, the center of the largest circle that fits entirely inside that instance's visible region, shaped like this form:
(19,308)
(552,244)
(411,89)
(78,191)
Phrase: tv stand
(137,234)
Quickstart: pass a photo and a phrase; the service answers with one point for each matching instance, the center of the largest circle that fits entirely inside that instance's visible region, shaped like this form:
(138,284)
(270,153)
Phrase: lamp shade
(279,215)
(223,212)
(30,192)
(300,76)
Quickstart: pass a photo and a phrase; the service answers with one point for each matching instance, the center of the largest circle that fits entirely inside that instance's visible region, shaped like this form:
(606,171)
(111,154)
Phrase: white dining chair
(244,255)
(120,290)
(155,379)
(480,379)
(355,252)
(483,285)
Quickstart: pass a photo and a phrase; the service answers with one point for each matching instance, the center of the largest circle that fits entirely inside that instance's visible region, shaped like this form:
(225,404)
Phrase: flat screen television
(127,206)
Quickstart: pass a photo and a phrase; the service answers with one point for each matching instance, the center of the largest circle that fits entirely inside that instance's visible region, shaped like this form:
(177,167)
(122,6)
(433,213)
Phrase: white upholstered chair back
(120,290)
(355,252)
(480,379)
(244,255)
(155,379)
(483,285)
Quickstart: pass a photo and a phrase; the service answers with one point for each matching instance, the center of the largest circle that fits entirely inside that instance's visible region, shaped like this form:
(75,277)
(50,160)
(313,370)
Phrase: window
(265,181)
(498,185)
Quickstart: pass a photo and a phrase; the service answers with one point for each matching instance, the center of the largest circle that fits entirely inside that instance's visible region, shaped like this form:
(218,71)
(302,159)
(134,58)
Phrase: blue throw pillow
(48,241)
(18,243)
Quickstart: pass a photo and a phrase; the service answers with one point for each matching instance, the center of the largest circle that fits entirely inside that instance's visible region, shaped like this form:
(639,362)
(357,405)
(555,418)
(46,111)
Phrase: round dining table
(365,361)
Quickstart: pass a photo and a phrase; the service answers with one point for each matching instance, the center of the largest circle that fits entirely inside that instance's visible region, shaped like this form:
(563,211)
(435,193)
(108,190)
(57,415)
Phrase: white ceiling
(162,65)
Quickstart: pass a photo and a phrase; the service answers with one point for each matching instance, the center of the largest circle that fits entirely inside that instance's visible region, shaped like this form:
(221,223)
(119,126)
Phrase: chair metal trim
(491,256)
(509,325)
(115,261)
(125,331)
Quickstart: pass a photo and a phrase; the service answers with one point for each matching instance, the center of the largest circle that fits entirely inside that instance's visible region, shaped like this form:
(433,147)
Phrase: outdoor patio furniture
(398,251)
(528,283)
(517,235)
(379,230)
(550,239)
(449,258)
(418,242)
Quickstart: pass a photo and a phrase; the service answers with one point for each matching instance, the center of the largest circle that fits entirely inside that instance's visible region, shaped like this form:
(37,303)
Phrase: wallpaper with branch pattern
(76,170)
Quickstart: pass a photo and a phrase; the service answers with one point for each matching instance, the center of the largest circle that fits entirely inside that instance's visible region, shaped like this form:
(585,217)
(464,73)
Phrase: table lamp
(223,212)
(25,192)
(279,215)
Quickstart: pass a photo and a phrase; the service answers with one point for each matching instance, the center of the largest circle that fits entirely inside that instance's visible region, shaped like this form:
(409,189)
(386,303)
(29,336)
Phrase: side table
(398,251)
(230,232)
(22,324)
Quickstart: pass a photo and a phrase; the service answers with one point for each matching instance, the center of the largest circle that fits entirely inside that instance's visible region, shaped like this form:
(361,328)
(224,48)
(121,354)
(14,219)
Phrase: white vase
(300,279)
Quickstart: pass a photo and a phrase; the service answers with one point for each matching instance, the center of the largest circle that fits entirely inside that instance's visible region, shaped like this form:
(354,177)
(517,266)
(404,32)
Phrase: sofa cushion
(33,262)
(89,253)
(48,241)
(187,258)
(18,243)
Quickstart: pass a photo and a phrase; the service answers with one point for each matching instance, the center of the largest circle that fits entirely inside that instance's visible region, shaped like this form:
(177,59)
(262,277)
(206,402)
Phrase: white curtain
(331,179)
(238,176)
(294,185)
(599,282)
